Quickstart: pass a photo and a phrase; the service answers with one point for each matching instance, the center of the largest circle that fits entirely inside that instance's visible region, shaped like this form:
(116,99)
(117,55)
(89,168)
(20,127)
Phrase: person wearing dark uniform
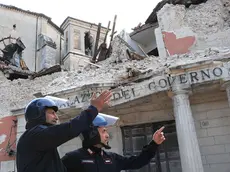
(37,147)
(92,158)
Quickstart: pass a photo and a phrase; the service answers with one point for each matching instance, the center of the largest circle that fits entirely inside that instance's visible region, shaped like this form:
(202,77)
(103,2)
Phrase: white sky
(129,12)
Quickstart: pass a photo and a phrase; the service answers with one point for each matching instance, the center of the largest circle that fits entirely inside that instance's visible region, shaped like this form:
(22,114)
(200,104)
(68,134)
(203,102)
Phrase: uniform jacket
(37,147)
(97,160)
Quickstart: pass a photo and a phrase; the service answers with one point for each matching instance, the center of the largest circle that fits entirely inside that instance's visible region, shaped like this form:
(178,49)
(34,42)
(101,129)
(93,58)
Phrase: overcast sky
(129,12)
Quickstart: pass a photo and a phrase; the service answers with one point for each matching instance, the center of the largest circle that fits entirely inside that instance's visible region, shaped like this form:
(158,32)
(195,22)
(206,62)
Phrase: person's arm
(136,162)
(148,152)
(43,137)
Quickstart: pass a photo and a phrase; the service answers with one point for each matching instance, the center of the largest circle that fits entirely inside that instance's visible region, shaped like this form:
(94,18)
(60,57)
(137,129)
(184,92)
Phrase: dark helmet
(92,136)
(36,108)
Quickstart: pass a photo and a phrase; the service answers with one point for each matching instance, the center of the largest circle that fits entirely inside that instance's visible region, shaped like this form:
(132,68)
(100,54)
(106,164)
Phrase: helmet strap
(105,146)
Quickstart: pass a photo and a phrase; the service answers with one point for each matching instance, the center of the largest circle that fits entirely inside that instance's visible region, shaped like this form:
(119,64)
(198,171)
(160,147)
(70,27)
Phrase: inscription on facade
(156,84)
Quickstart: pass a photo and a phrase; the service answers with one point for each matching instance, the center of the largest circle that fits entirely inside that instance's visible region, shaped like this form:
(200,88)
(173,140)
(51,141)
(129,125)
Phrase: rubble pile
(206,18)
(118,67)
(17,93)
(208,22)
(210,17)
(112,70)
(194,57)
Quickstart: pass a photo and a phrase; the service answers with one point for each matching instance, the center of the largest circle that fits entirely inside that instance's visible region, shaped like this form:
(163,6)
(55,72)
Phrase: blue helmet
(99,121)
(92,137)
(36,108)
(104,120)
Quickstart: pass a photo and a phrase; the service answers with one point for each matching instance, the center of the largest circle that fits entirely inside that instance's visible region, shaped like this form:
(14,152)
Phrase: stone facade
(211,121)
(189,85)
(75,57)
(213,129)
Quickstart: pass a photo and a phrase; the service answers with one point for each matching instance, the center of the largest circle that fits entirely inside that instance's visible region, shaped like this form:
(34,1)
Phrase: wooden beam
(97,41)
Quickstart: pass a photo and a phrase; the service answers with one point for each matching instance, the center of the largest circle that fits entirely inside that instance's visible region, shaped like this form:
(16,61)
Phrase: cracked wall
(208,22)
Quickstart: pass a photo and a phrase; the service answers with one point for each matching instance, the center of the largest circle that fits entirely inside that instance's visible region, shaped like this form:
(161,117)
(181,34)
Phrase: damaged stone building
(33,43)
(179,77)
(41,37)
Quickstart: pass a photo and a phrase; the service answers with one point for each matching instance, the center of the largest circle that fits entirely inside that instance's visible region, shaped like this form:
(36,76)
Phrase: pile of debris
(125,65)
(187,3)
(119,68)
(17,93)
(115,69)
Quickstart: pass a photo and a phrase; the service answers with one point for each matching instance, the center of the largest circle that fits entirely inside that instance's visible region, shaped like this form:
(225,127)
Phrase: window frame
(170,129)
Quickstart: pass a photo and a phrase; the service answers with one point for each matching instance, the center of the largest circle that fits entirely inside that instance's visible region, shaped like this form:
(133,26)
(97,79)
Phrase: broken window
(154,52)
(77,39)
(167,158)
(88,43)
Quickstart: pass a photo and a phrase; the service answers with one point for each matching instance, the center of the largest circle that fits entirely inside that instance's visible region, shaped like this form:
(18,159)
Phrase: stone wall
(27,26)
(212,121)
(46,58)
(213,132)
(196,28)
(26,29)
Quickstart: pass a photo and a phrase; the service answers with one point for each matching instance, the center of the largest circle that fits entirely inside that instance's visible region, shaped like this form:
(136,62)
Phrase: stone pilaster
(186,133)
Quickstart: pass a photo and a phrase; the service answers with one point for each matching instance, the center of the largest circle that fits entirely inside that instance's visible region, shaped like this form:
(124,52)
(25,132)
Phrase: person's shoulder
(38,128)
(35,129)
(41,126)
(110,153)
(75,153)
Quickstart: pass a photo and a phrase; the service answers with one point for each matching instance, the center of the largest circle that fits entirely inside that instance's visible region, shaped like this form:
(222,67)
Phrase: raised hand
(102,100)
(158,136)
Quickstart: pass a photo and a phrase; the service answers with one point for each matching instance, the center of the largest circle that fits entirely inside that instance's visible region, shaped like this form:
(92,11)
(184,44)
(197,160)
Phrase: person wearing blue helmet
(92,158)
(37,147)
